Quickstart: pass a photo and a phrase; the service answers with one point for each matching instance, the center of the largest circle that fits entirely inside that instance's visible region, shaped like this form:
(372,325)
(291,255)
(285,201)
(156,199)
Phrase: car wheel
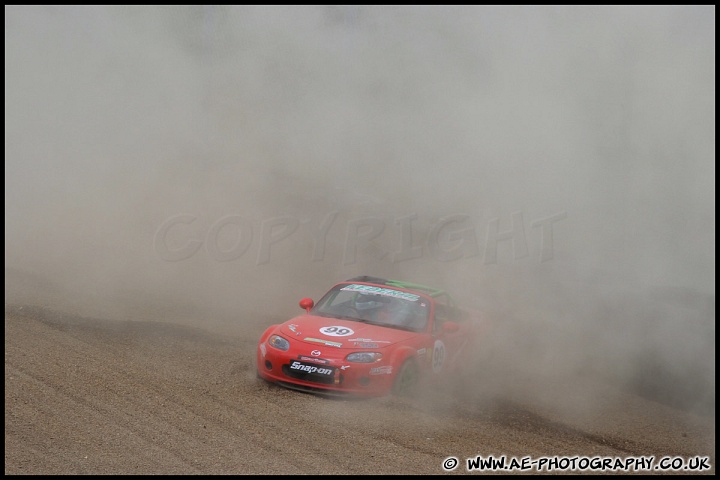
(406,379)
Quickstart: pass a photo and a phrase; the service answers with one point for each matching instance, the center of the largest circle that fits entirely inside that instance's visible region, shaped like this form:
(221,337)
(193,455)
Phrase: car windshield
(377,305)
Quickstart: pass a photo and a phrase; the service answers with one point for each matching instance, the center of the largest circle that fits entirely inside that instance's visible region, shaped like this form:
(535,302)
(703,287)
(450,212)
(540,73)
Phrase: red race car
(369,336)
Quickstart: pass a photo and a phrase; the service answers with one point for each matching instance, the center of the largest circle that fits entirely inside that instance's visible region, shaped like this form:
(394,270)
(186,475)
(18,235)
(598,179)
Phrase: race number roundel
(337,331)
(438,356)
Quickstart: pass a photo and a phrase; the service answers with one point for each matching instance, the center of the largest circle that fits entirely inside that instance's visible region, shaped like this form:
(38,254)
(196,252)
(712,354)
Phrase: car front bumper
(345,378)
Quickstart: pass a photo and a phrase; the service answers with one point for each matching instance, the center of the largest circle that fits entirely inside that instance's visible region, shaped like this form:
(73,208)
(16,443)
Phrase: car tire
(406,380)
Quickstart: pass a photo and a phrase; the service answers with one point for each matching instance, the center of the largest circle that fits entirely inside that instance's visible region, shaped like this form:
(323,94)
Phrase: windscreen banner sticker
(381,291)
(337,331)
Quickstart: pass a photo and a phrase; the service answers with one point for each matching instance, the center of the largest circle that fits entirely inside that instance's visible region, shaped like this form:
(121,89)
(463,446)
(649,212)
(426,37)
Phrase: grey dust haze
(551,166)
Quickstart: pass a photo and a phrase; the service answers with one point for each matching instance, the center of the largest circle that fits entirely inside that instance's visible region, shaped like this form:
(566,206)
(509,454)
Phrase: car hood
(341,333)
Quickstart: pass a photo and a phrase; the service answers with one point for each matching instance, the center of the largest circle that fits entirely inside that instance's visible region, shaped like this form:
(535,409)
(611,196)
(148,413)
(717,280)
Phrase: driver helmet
(366,302)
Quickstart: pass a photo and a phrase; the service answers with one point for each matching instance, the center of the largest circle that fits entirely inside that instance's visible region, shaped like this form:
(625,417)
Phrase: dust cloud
(552,167)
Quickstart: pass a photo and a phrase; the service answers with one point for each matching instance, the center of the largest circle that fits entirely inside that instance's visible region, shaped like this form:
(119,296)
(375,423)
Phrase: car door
(449,344)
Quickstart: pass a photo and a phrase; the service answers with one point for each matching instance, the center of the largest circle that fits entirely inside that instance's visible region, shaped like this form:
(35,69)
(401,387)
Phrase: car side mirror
(450,327)
(307,304)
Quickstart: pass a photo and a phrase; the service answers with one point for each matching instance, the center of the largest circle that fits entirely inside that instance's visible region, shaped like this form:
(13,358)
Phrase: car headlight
(364,357)
(279,342)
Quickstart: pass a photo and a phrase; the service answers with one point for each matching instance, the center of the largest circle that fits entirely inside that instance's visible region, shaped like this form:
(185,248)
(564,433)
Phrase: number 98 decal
(336,331)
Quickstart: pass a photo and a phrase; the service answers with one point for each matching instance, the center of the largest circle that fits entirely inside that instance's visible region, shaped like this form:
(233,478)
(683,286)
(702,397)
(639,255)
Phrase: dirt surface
(95,396)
